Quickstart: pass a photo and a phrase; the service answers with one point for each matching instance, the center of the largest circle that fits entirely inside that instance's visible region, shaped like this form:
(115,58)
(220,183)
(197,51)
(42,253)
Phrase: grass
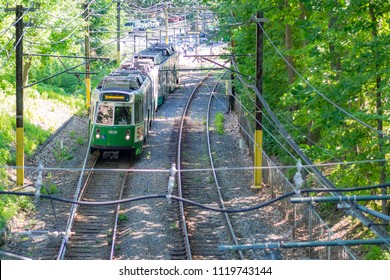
(34,136)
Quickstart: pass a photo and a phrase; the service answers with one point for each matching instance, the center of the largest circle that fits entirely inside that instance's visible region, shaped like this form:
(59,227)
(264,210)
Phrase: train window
(105,115)
(138,112)
(122,116)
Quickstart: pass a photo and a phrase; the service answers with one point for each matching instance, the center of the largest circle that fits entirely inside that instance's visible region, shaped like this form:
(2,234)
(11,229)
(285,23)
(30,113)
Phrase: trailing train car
(165,59)
(148,68)
(122,109)
(169,51)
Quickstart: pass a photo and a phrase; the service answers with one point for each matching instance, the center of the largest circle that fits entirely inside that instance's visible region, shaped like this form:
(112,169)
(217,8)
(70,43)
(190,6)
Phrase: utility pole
(118,29)
(19,98)
(166,25)
(197,22)
(19,10)
(258,161)
(87,55)
(232,96)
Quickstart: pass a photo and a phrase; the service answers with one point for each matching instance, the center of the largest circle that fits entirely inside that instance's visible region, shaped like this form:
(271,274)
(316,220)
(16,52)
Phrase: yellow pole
(19,98)
(258,162)
(88,91)
(258,177)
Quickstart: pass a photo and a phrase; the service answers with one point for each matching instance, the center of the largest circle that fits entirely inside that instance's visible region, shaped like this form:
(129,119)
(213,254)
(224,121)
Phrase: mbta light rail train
(125,102)
(166,59)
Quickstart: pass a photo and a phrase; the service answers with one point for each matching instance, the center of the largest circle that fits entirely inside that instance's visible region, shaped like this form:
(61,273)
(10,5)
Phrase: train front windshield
(114,115)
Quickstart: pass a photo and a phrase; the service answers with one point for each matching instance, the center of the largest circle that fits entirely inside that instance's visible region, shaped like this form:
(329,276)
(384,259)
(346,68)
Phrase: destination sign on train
(115,97)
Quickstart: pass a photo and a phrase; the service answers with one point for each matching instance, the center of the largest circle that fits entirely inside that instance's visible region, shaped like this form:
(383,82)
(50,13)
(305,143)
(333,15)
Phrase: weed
(219,119)
(62,153)
(122,217)
(204,122)
(50,188)
(80,141)
(174,226)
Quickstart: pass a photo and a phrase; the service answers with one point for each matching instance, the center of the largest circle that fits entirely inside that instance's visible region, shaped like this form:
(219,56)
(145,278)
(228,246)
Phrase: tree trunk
(290,60)
(379,108)
(335,60)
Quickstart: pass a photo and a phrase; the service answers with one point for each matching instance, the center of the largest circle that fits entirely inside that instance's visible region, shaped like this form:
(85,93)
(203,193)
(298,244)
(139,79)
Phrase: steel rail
(89,226)
(221,201)
(178,164)
(117,209)
(69,224)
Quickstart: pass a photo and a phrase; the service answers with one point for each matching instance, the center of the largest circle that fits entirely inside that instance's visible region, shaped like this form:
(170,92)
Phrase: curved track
(202,230)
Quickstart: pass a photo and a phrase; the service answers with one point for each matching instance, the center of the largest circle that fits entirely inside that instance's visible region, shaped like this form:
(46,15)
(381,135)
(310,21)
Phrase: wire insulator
(38,183)
(298,179)
(171,184)
(173,170)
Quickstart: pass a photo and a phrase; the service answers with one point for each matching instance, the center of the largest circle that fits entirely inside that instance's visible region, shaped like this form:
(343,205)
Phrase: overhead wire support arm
(67,56)
(55,75)
(347,198)
(216,63)
(285,245)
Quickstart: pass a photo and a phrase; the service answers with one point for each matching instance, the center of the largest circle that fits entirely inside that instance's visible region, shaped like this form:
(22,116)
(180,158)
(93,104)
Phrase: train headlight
(127,137)
(97,134)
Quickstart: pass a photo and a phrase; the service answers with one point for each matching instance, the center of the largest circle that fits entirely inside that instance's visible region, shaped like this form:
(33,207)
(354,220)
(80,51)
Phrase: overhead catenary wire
(63,39)
(14,23)
(157,170)
(280,131)
(295,190)
(13,49)
(325,181)
(320,93)
(268,119)
(335,190)
(273,124)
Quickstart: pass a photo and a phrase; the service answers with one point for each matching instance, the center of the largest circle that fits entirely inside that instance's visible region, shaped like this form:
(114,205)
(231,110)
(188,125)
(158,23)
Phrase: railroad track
(202,230)
(93,228)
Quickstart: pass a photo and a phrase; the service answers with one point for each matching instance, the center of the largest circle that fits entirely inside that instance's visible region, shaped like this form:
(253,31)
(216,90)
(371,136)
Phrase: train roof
(122,79)
(155,55)
(167,49)
(143,64)
(122,84)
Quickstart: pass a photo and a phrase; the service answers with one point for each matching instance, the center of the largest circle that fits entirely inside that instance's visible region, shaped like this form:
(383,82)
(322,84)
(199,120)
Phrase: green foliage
(62,153)
(49,188)
(8,208)
(340,48)
(122,217)
(80,141)
(219,119)
(34,137)
(376,253)
(60,33)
